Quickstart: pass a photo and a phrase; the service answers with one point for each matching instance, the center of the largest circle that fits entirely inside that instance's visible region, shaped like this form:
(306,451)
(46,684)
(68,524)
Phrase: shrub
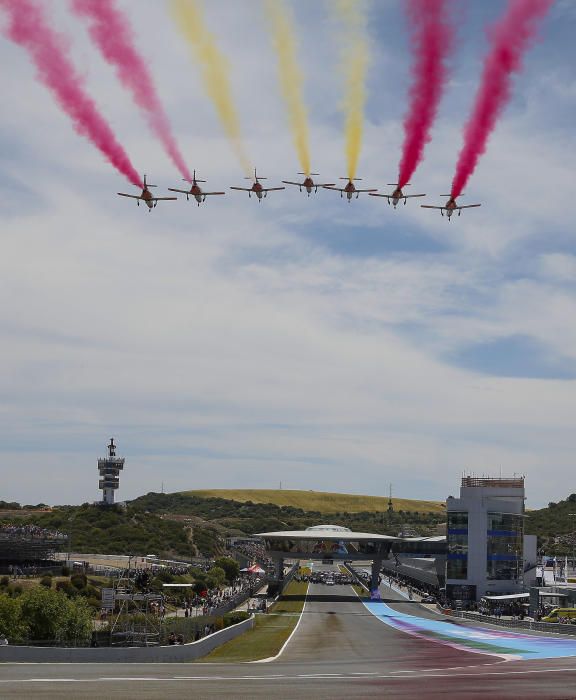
(78,580)
(46,581)
(67,588)
(65,571)
(4,581)
(233,618)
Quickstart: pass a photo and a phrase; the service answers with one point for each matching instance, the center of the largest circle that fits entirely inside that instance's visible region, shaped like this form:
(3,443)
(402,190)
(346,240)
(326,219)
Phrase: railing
(555,628)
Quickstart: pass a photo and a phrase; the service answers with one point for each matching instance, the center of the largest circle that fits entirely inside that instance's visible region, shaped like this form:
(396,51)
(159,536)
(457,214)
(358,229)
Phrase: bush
(233,618)
(65,571)
(50,615)
(46,581)
(78,580)
(67,588)
(11,623)
(4,581)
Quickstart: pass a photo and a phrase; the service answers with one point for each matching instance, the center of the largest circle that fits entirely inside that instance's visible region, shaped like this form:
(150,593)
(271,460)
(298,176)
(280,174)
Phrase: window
(457,520)
(504,546)
(458,544)
(456,568)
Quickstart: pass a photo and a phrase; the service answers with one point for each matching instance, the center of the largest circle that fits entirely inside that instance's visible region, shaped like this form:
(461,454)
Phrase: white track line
(273,658)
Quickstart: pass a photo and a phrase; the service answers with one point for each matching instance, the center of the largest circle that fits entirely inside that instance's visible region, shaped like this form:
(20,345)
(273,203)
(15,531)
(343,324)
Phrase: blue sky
(303,340)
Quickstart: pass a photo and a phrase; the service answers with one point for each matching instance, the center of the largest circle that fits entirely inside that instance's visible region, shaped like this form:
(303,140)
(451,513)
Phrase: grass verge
(270,631)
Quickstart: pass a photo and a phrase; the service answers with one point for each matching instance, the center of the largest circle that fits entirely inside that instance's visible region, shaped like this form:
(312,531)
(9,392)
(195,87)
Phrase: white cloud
(229,345)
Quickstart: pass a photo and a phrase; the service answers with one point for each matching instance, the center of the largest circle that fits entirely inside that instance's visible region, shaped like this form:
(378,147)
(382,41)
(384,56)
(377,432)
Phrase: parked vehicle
(558,613)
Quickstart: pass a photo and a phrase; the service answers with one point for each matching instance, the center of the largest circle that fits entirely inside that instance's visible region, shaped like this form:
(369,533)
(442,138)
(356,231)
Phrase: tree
(50,615)
(216,577)
(230,566)
(11,623)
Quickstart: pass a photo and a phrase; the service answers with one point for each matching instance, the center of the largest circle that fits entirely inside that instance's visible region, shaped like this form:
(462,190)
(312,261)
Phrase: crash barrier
(290,575)
(555,628)
(157,654)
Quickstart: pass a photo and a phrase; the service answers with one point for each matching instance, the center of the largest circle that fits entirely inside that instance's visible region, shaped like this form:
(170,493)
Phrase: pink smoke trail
(432,42)
(510,38)
(29,28)
(110,31)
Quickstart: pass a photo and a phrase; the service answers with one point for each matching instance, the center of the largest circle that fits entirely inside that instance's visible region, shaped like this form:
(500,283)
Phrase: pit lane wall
(121,655)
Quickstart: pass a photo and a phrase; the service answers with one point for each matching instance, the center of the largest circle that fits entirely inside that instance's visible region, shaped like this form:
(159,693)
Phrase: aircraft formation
(307,185)
(433,34)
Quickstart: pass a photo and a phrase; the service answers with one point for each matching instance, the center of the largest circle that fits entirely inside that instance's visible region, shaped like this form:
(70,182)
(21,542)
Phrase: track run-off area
(341,648)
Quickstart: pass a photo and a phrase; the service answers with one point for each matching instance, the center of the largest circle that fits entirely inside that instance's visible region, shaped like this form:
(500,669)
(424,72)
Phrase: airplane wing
(298,184)
(336,189)
(380,195)
(205,194)
(326,184)
(374,189)
(164,199)
(242,189)
(468,206)
(272,189)
(172,189)
(429,206)
(408,196)
(132,196)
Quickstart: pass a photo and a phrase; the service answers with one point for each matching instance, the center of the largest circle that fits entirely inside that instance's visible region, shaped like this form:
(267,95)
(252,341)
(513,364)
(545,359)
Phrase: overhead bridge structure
(331,543)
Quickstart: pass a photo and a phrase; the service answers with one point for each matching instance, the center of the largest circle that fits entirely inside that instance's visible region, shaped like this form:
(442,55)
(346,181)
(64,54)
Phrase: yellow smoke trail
(189,16)
(355,58)
(290,77)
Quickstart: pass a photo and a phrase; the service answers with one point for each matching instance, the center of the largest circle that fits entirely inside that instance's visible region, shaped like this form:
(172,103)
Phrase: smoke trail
(352,14)
(190,19)
(28,28)
(290,77)
(110,31)
(432,42)
(510,38)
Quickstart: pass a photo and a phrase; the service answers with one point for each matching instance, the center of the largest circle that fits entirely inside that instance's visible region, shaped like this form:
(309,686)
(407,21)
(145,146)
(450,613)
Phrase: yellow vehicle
(558,613)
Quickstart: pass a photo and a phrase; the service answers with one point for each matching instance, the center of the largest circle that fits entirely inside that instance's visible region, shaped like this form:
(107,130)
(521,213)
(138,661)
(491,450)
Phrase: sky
(302,340)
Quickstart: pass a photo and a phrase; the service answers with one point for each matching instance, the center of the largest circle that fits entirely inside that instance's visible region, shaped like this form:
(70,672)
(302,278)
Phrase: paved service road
(339,650)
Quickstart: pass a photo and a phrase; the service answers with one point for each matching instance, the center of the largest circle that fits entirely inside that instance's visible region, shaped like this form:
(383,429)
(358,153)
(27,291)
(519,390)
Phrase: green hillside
(320,501)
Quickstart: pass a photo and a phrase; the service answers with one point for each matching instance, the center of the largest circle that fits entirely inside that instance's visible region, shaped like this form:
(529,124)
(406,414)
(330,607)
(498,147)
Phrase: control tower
(109,469)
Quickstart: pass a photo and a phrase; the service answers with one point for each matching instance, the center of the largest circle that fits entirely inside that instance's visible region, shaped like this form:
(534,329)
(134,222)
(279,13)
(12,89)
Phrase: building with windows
(487,551)
(109,469)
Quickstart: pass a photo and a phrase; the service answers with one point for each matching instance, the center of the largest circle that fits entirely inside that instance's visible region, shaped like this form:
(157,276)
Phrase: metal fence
(555,628)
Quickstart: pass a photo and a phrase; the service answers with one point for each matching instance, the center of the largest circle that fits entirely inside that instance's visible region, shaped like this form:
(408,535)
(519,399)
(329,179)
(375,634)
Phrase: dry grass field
(320,501)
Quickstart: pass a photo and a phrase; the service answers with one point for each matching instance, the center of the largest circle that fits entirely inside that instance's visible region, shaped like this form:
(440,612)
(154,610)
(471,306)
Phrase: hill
(319,501)
(117,530)
(555,526)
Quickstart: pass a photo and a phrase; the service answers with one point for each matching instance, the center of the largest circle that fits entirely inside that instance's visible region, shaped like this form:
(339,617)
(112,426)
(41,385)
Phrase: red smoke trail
(110,31)
(510,38)
(432,42)
(28,28)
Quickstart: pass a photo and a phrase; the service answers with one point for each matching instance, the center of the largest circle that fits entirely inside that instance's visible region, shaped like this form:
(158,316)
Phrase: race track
(340,650)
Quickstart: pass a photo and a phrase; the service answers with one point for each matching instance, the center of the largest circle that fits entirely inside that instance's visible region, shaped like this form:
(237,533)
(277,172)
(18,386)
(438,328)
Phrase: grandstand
(29,546)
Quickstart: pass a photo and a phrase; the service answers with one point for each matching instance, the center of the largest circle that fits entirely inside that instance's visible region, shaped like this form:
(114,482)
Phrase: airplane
(146,196)
(397,195)
(257,188)
(450,207)
(196,191)
(349,188)
(308,184)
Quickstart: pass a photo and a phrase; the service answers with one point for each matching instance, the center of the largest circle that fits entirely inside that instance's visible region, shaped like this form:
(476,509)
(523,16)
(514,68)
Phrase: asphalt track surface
(339,650)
